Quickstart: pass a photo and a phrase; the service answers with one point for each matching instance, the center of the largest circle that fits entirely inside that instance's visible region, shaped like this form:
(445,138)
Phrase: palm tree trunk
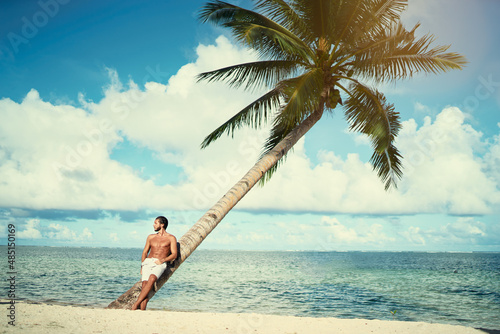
(200,230)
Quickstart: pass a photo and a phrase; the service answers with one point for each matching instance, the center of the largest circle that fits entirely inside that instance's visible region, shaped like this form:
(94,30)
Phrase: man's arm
(146,249)
(173,250)
(145,252)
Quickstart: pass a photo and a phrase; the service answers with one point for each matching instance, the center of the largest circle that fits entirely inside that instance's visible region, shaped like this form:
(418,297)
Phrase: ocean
(450,288)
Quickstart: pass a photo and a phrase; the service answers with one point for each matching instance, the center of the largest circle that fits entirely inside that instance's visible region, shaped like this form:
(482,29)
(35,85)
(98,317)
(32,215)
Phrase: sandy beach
(44,318)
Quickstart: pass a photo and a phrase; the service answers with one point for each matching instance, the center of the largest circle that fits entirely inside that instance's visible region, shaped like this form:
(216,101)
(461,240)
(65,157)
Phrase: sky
(101,121)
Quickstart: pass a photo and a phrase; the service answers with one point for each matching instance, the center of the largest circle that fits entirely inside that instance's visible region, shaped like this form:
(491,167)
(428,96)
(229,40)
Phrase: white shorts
(149,267)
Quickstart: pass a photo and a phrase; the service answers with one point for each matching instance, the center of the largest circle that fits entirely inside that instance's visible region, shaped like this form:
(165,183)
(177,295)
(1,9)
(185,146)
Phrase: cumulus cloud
(443,174)
(492,159)
(58,156)
(337,232)
(464,230)
(31,230)
(61,232)
(328,233)
(114,237)
(34,230)
(414,235)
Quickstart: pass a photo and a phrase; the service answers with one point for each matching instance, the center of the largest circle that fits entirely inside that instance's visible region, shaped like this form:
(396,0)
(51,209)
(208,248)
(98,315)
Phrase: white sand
(41,318)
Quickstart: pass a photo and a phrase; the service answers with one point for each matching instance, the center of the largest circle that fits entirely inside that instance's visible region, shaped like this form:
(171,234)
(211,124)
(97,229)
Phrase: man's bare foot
(134,307)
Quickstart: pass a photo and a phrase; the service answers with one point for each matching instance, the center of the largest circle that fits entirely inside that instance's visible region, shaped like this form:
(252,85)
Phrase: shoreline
(54,318)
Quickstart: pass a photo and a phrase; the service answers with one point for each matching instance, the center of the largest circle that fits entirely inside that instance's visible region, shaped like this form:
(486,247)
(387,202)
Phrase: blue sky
(101,121)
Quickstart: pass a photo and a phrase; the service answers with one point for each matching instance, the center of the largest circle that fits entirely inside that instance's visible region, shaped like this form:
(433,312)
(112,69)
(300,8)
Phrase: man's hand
(158,262)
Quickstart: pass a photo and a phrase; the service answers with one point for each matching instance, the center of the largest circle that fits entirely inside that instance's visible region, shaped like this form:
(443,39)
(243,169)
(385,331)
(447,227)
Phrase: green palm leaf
(253,115)
(416,57)
(269,42)
(284,14)
(368,112)
(385,13)
(256,31)
(395,54)
(278,132)
(302,95)
(252,75)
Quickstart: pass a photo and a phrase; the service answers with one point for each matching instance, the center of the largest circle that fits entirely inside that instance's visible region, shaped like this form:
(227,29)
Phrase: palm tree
(314,56)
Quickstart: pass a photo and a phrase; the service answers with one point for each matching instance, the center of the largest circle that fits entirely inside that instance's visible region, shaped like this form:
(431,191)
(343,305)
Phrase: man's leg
(146,288)
(145,301)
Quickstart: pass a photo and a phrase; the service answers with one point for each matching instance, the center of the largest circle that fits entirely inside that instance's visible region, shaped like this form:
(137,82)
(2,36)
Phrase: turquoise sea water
(451,288)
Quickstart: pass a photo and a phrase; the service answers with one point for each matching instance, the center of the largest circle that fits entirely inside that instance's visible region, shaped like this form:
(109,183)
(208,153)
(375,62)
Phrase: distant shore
(47,318)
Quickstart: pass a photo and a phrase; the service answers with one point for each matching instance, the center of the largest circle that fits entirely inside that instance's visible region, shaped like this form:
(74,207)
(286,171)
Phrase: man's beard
(157,229)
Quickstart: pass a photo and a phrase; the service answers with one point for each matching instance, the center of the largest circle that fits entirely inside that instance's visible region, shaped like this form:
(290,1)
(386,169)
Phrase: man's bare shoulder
(167,237)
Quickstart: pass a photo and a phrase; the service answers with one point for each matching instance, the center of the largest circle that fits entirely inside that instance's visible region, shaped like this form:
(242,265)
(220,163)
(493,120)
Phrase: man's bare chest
(160,242)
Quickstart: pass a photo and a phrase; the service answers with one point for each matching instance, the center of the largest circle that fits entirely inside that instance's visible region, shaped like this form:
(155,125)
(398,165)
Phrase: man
(160,248)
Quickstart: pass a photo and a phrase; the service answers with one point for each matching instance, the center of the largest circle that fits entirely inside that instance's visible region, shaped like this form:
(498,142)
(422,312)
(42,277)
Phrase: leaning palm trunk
(199,231)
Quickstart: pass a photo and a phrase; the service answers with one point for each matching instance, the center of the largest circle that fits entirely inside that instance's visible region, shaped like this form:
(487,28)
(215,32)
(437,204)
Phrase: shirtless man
(162,248)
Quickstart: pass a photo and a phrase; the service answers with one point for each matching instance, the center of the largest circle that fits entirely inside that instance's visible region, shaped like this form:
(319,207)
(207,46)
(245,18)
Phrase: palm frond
(270,42)
(317,14)
(318,17)
(385,13)
(281,12)
(281,128)
(254,115)
(367,111)
(388,166)
(416,57)
(252,75)
(395,54)
(302,96)
(267,37)
(349,16)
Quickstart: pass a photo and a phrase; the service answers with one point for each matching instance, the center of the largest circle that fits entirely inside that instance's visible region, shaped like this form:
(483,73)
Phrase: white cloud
(34,230)
(338,233)
(443,174)
(177,116)
(414,235)
(61,232)
(114,237)
(60,157)
(86,234)
(419,107)
(31,230)
(328,233)
(492,159)
(464,230)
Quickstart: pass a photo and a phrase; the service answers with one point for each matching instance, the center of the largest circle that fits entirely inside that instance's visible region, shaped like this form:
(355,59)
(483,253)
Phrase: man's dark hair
(163,221)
